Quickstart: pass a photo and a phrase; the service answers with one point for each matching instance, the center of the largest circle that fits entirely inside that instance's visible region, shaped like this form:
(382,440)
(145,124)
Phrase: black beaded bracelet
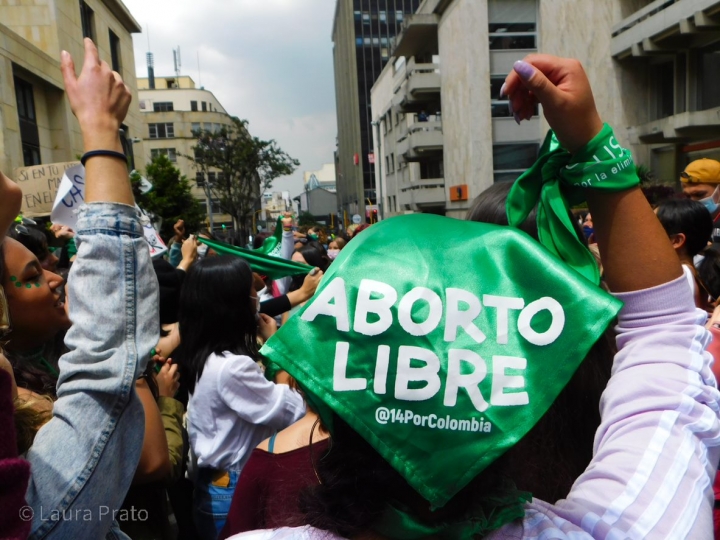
(103,153)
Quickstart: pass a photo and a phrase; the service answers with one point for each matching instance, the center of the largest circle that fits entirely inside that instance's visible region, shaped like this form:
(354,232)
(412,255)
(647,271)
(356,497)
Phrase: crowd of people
(529,372)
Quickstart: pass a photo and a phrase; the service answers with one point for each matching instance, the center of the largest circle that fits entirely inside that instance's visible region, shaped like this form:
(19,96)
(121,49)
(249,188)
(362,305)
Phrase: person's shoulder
(301,533)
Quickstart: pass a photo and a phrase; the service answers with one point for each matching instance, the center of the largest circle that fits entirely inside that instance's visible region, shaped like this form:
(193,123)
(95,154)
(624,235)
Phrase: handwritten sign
(40,185)
(71,196)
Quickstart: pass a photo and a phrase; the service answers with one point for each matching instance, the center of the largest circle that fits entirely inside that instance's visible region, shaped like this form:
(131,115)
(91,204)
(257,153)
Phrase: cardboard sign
(71,196)
(40,185)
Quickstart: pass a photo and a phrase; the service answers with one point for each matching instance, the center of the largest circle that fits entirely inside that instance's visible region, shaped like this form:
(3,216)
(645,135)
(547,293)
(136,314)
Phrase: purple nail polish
(525,70)
(510,108)
(502,90)
(517,118)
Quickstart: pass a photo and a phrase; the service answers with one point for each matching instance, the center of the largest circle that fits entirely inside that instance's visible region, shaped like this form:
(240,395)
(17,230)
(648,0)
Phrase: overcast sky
(267,61)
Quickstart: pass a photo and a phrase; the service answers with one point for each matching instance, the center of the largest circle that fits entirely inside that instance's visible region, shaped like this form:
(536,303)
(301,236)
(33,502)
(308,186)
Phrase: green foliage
(306,219)
(245,165)
(170,198)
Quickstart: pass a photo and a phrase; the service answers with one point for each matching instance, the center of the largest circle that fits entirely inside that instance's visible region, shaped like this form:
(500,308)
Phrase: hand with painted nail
(563,89)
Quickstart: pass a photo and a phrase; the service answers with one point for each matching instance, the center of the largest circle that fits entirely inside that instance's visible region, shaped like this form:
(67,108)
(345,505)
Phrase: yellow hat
(702,171)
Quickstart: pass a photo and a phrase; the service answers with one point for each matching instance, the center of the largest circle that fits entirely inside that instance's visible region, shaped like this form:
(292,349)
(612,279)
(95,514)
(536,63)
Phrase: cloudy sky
(267,61)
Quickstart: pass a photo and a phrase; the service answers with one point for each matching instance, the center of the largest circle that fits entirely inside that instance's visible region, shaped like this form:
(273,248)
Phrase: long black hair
(216,314)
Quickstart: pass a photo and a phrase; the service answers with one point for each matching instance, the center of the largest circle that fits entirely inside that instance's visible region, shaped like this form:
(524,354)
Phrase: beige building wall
(184,122)
(31,38)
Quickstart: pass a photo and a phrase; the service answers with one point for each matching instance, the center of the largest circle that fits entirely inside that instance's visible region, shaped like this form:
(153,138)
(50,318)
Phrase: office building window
(207,126)
(709,77)
(399,16)
(29,135)
(162,131)
(200,179)
(513,24)
(204,106)
(170,153)
(193,106)
(662,85)
(511,160)
(196,127)
(163,106)
(115,52)
(86,20)
(500,106)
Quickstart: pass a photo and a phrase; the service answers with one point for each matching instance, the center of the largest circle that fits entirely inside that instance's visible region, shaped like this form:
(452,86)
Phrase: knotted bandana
(441,350)
(558,178)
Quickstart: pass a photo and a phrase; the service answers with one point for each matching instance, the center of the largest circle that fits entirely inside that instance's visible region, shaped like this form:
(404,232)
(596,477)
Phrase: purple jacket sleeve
(656,451)
(14,472)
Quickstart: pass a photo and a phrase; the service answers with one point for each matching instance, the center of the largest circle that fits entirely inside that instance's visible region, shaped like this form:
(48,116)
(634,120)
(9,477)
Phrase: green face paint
(18,284)
(452,346)
(37,284)
(28,285)
(13,279)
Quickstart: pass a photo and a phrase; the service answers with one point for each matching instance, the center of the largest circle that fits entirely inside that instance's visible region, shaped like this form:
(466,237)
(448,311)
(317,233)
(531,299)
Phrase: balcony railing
(416,84)
(421,139)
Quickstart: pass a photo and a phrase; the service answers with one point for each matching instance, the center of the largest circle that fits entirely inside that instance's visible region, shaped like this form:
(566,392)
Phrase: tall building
(443,134)
(172,109)
(36,123)
(363,35)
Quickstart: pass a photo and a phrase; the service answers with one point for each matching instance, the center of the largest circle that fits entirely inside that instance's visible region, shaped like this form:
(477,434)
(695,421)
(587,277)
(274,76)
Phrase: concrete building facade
(323,178)
(171,112)
(362,35)
(653,66)
(36,123)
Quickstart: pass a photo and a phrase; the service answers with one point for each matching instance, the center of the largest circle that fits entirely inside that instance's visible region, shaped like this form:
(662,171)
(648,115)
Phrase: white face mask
(333,253)
(202,250)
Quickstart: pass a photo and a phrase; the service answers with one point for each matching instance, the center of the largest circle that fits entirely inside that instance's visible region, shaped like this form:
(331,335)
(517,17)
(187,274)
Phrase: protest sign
(40,185)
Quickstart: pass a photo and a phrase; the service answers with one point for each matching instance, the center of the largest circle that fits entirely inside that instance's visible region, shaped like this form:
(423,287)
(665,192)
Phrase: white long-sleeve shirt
(657,448)
(234,408)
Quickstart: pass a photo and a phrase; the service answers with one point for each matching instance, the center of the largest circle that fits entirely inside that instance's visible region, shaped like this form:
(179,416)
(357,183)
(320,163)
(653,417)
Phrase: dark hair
(33,239)
(709,271)
(688,217)
(357,484)
(260,239)
(315,255)
(216,314)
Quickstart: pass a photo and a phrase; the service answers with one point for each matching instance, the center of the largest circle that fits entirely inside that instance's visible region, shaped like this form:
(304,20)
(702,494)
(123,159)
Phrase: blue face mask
(710,203)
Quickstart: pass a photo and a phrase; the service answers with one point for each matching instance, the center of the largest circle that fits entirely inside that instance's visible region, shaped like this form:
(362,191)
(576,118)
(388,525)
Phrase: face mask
(313,237)
(710,203)
(202,250)
(333,253)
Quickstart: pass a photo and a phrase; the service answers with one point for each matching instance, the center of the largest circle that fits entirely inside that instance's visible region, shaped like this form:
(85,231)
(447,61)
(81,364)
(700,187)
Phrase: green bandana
(442,351)
(559,177)
(273,245)
(263,264)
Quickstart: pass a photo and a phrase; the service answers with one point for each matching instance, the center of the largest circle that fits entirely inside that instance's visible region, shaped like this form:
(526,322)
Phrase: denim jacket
(84,459)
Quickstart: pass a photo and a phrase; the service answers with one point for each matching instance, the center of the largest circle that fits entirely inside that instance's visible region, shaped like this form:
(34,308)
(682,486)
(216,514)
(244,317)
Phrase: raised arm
(84,459)
(656,450)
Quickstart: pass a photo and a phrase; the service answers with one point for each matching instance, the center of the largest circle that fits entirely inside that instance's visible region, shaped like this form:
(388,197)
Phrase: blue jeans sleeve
(84,459)
(175,254)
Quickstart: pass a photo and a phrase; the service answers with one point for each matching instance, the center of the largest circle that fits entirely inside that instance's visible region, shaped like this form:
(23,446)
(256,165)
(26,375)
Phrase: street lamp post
(379,159)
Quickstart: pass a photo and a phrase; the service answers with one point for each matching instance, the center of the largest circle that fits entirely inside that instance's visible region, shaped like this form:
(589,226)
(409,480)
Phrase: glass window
(29,134)
(163,106)
(662,77)
(162,131)
(193,106)
(196,127)
(86,20)
(207,126)
(115,52)
(358,15)
(709,77)
(204,106)
(512,24)
(359,41)
(383,16)
(399,16)
(366,18)
(511,160)
(200,179)
(500,107)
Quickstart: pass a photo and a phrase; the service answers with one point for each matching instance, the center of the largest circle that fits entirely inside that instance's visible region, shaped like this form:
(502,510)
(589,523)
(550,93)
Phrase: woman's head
(203,249)
(313,254)
(217,313)
(338,244)
(33,298)
(36,242)
(688,224)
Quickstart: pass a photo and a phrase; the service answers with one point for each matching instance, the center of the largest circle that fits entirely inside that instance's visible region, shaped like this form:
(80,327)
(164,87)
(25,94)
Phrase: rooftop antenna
(178,61)
(150,64)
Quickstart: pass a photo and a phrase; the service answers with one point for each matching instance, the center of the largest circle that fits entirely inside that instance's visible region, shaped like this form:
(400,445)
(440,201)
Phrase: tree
(246,167)
(306,219)
(170,198)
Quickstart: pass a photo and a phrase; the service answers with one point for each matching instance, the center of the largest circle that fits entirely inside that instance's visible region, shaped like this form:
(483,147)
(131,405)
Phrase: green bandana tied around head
(263,264)
(441,349)
(559,177)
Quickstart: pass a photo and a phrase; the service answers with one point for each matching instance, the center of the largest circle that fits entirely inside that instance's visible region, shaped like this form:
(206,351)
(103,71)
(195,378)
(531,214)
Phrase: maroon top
(266,496)
(14,472)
